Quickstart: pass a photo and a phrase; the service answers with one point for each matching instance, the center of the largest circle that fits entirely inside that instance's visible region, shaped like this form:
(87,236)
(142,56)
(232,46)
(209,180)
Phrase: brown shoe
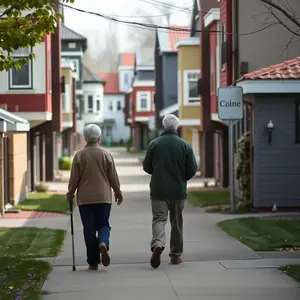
(93,267)
(105,258)
(176,260)
(155,258)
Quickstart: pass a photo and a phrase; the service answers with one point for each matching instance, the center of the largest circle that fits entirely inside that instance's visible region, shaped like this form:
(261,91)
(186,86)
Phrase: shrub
(42,187)
(65,163)
(129,144)
(243,167)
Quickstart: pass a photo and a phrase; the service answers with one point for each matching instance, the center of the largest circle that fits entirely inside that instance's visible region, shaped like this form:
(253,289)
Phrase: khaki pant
(160,209)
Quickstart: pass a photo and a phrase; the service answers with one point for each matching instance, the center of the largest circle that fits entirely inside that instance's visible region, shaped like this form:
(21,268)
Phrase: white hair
(170,122)
(92,133)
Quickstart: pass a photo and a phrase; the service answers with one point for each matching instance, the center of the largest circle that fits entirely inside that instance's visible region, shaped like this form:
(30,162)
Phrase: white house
(93,92)
(113,110)
(125,71)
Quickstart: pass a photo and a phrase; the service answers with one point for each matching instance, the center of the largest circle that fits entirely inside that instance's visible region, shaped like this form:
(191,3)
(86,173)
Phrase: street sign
(230,103)
(230,108)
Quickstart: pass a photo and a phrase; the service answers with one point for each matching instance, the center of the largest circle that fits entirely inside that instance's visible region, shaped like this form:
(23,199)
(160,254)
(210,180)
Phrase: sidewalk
(216,266)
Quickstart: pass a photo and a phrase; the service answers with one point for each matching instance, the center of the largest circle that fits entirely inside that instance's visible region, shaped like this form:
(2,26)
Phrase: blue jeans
(96,229)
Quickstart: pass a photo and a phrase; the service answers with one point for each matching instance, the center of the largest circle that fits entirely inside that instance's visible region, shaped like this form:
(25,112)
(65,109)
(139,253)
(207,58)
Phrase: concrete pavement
(215,266)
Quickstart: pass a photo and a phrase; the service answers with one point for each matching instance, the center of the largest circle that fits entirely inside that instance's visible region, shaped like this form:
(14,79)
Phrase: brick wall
(17,166)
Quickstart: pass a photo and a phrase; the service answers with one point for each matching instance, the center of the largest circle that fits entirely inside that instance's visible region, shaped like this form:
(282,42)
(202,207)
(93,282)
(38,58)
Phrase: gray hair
(91,133)
(170,122)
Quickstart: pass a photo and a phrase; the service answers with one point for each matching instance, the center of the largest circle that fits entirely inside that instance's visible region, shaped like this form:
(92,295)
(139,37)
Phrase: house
(273,93)
(189,102)
(73,47)
(126,63)
(13,159)
(31,93)
(227,56)
(93,93)
(206,126)
(68,109)
(166,71)
(142,108)
(114,127)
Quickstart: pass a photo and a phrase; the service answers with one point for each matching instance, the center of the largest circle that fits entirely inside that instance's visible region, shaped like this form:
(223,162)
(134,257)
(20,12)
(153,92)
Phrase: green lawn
(264,235)
(292,270)
(30,242)
(45,202)
(209,197)
(22,279)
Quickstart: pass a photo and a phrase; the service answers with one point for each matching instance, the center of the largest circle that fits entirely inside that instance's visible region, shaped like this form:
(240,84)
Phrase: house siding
(277,166)
(169,79)
(79,72)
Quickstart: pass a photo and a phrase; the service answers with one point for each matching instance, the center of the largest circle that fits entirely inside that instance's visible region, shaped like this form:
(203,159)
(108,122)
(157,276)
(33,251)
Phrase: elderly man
(171,162)
(93,176)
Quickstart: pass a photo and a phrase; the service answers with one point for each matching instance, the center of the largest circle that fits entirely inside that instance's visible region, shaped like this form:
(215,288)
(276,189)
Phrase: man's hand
(118,199)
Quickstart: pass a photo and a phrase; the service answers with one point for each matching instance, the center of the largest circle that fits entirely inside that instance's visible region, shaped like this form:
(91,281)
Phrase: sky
(95,28)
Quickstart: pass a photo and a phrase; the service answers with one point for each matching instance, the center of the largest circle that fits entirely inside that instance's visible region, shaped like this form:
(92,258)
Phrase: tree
(24,23)
(283,12)
(107,57)
(161,14)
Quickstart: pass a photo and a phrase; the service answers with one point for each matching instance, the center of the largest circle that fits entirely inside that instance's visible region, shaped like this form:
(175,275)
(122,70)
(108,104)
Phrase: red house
(140,99)
(33,92)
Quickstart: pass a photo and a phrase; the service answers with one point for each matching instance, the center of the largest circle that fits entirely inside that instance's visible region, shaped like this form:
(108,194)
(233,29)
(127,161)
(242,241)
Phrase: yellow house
(67,138)
(189,66)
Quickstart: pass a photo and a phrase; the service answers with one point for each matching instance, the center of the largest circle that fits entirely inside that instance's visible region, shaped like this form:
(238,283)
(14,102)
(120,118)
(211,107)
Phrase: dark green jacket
(171,162)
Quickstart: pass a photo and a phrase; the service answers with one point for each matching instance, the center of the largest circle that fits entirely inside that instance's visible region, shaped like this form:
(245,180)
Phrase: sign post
(230,108)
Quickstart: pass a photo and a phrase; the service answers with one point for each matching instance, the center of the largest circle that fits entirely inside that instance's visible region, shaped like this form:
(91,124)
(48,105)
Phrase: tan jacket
(93,176)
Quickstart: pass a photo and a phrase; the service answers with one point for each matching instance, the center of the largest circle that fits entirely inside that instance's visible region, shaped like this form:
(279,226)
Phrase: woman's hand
(118,199)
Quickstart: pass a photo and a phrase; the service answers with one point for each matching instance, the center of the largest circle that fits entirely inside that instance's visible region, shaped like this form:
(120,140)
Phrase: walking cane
(72,233)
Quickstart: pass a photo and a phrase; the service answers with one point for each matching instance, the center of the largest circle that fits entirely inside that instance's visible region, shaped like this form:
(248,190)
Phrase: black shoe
(155,258)
(105,258)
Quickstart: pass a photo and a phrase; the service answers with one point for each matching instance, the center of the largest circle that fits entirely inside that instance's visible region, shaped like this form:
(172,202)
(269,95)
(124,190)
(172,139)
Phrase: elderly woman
(93,176)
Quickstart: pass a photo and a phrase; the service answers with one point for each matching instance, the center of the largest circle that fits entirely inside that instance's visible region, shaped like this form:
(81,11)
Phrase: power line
(167,5)
(138,17)
(159,27)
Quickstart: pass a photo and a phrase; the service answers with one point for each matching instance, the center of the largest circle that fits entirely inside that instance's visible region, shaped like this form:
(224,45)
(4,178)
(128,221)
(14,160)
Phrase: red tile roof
(289,69)
(127,59)
(112,83)
(178,32)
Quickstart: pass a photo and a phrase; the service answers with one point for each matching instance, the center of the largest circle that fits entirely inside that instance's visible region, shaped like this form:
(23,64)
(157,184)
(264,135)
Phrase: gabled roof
(289,69)
(68,34)
(126,59)
(168,38)
(89,77)
(112,83)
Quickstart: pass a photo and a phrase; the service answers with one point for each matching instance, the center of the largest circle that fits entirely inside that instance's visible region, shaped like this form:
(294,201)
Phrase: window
(98,105)
(21,78)
(126,79)
(110,105)
(119,105)
(143,99)
(90,103)
(297,122)
(192,95)
(223,47)
(72,45)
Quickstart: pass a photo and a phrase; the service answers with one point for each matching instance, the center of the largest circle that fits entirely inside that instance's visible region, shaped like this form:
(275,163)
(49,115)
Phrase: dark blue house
(166,98)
